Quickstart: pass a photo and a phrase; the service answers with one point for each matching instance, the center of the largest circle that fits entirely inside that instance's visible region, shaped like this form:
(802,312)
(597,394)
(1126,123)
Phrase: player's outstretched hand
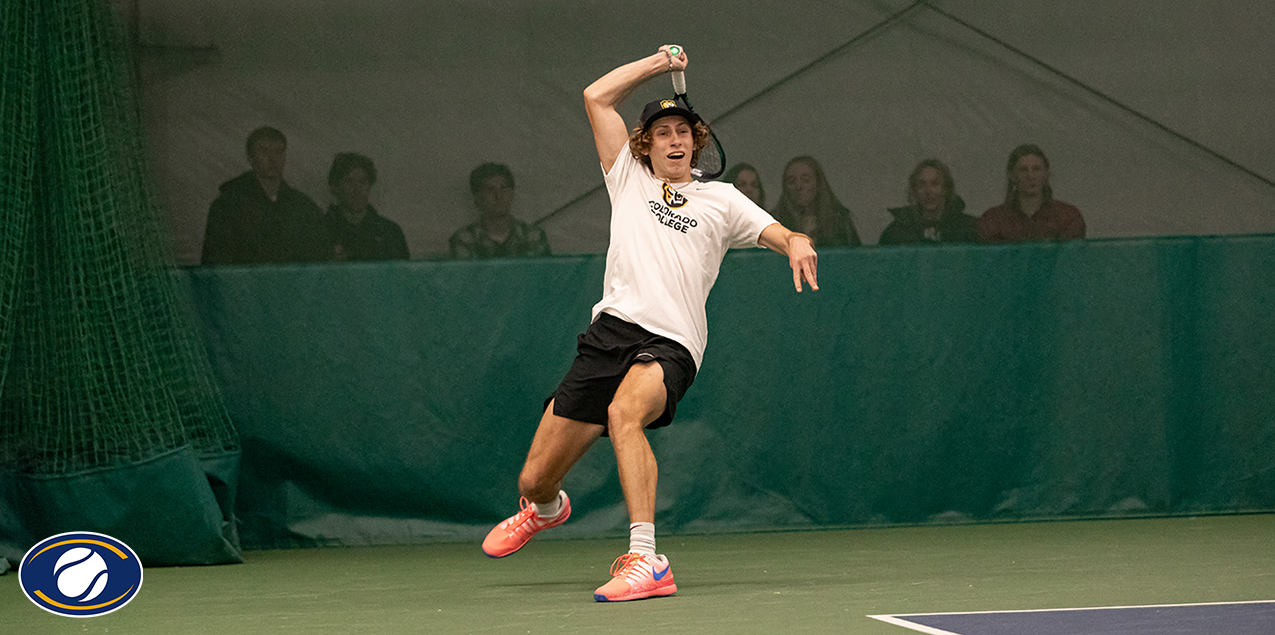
(804,261)
(799,249)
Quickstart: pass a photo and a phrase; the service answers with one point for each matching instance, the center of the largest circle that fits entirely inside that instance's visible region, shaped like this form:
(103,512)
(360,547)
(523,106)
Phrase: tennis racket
(712,159)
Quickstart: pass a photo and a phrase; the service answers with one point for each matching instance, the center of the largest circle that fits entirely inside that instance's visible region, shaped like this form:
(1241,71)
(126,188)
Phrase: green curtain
(104,379)
(394,403)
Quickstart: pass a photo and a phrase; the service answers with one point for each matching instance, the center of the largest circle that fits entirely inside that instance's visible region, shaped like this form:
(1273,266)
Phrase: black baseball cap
(665,108)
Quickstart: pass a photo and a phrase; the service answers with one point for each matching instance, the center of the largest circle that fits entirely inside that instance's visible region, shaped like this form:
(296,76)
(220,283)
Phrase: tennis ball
(80,572)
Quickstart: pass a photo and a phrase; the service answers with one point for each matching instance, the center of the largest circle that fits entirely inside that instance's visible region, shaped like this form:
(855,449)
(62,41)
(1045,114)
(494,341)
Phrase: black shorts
(604,354)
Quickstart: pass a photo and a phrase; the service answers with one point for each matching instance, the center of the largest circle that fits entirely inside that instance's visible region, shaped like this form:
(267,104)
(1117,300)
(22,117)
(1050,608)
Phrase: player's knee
(621,418)
(535,486)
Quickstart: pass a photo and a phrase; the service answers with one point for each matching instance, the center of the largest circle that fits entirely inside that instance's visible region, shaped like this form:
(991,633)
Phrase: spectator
(497,234)
(807,205)
(746,179)
(935,213)
(258,217)
(357,231)
(1030,211)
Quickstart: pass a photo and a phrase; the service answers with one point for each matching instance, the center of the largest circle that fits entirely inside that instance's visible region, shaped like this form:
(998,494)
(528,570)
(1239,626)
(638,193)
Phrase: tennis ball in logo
(81,574)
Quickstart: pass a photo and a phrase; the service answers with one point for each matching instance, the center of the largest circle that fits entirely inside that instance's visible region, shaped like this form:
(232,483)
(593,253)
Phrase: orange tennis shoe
(637,577)
(510,535)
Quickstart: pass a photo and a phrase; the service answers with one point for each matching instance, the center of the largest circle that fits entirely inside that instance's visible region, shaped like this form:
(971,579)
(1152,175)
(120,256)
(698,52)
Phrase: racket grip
(679,82)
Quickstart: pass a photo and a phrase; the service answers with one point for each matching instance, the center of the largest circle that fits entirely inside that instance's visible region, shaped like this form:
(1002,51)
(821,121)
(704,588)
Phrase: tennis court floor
(827,581)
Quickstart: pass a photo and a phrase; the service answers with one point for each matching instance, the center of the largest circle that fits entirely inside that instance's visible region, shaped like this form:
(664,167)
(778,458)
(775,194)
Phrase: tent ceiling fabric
(430,91)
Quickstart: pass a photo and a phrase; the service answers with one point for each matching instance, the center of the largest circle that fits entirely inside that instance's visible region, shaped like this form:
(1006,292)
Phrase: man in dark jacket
(259,218)
(936,214)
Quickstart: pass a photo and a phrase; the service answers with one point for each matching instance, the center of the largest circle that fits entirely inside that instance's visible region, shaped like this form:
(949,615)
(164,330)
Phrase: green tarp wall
(175,508)
(395,403)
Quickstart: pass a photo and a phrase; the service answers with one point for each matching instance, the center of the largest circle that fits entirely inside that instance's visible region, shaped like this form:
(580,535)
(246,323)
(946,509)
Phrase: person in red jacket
(1030,211)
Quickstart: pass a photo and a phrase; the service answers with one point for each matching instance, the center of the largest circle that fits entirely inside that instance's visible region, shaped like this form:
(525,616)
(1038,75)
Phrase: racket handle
(679,77)
(679,82)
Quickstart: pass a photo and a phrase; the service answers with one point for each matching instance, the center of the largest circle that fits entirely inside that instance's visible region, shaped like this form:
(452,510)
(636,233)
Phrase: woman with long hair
(746,179)
(935,212)
(1030,211)
(808,205)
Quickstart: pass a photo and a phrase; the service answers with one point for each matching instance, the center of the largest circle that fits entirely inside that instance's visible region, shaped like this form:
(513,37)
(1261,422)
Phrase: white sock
(642,538)
(549,510)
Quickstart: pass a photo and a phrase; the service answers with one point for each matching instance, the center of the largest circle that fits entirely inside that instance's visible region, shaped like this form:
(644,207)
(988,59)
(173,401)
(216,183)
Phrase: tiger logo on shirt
(672,197)
(665,215)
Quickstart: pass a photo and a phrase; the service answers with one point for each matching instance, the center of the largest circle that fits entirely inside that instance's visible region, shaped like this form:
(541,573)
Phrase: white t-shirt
(667,245)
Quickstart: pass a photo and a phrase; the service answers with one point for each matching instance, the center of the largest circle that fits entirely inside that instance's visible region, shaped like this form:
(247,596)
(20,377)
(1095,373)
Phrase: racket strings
(712,160)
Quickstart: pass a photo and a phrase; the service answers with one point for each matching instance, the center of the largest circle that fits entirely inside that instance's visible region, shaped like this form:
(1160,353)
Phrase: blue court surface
(1232,618)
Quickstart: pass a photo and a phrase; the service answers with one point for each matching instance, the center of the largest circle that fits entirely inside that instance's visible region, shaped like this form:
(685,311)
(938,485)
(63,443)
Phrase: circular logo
(80,574)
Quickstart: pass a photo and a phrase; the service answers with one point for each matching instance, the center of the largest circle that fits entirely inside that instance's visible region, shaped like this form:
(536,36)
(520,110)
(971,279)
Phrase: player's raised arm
(603,96)
(799,249)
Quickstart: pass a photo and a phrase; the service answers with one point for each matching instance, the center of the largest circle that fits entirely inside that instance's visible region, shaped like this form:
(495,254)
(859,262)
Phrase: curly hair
(640,143)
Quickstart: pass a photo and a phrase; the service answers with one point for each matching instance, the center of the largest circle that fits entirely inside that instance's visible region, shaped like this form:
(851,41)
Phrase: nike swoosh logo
(659,575)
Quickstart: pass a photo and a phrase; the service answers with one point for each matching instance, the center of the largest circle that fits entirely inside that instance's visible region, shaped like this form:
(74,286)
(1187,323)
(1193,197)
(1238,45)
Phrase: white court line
(1084,608)
(912,625)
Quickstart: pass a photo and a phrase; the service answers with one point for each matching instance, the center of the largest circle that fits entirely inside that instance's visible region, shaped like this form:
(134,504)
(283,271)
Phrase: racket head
(712,160)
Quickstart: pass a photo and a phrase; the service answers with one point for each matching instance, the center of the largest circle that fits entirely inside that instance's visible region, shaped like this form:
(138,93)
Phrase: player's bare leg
(638,401)
(558,444)
(640,573)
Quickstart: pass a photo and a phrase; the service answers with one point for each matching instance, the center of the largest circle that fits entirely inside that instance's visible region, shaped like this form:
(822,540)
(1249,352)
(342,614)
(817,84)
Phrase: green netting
(17,151)
(101,366)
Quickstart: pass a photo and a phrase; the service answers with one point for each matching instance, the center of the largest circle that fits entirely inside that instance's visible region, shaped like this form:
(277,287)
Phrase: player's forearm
(611,89)
(776,237)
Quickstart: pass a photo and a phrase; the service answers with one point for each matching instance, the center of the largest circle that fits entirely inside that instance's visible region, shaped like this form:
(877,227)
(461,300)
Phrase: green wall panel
(395,403)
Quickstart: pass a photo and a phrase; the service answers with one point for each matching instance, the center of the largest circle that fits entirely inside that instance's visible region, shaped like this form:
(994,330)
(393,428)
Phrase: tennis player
(669,234)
